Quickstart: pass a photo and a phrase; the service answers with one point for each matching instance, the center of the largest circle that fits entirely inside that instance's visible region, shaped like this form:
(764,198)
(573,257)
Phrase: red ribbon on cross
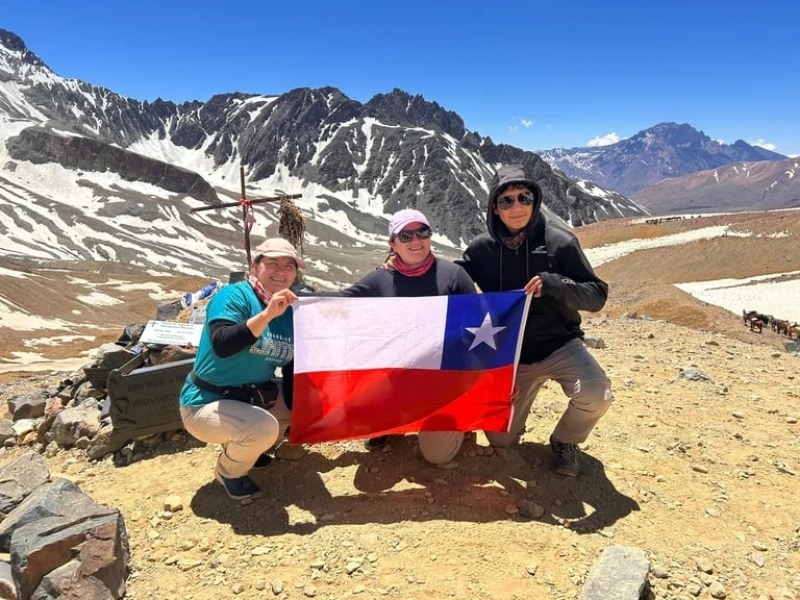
(248,215)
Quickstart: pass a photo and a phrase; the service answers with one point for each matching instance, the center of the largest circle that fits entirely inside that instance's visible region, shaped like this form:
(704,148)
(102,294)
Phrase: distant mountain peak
(662,151)
(11,41)
(415,111)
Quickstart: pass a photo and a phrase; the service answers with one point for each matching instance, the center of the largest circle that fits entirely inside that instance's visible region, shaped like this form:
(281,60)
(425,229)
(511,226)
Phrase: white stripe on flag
(350,334)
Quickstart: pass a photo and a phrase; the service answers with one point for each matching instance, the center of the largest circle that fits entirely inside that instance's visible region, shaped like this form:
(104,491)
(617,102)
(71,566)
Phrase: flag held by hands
(373,366)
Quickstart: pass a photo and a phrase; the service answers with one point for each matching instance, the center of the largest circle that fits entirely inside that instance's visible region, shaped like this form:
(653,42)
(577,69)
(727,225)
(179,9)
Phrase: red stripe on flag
(338,405)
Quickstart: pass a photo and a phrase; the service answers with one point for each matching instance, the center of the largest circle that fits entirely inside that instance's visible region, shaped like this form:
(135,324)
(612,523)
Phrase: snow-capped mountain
(662,151)
(87,174)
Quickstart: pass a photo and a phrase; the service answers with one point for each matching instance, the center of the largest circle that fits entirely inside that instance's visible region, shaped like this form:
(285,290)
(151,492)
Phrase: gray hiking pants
(582,379)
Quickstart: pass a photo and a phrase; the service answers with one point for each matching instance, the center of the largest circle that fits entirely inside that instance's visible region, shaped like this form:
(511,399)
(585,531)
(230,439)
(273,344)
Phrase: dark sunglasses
(423,233)
(506,202)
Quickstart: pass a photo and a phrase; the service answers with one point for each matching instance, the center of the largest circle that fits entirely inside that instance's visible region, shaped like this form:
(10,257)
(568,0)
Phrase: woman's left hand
(279,302)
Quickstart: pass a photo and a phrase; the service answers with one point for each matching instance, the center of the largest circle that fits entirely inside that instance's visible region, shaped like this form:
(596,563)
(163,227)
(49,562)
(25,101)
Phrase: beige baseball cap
(277,248)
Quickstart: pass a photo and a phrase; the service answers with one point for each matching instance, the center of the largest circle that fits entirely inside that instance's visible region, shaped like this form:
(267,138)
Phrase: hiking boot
(376,443)
(239,488)
(262,462)
(566,457)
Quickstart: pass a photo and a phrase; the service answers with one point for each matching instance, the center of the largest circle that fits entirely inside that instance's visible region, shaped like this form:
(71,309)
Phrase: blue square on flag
(482,330)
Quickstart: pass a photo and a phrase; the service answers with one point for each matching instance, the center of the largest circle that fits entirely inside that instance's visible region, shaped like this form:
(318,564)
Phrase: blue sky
(537,75)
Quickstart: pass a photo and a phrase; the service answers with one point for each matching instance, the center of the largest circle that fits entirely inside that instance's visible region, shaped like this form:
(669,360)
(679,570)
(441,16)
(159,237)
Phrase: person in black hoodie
(522,249)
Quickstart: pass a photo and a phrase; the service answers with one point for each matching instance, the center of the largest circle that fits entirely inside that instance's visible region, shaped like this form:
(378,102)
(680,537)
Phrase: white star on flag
(485,333)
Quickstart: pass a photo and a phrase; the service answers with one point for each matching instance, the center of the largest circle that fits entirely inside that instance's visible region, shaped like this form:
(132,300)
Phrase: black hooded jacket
(569,283)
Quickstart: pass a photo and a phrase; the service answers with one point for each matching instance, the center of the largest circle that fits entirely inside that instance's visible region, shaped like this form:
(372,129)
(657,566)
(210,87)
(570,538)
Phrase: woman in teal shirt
(231,397)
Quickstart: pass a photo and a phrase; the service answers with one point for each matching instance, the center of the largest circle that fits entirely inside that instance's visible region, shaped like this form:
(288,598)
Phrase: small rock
(290,452)
(606,533)
(188,565)
(695,589)
(352,566)
(187,545)
(659,573)
(717,590)
(173,504)
(703,564)
(530,510)
(757,558)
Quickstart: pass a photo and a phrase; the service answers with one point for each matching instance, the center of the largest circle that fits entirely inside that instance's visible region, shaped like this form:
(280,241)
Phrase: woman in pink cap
(415,271)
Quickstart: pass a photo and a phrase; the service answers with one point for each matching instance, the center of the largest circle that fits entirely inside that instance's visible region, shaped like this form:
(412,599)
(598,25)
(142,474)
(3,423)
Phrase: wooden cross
(247,210)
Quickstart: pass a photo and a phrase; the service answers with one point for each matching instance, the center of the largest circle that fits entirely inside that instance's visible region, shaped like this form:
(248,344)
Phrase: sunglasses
(422,233)
(506,202)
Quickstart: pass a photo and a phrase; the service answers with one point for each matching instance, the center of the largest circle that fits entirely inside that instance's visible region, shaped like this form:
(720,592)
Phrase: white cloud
(520,121)
(763,144)
(604,140)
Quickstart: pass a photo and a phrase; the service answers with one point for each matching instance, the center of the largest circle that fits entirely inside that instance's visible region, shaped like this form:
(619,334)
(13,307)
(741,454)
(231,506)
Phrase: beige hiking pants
(245,431)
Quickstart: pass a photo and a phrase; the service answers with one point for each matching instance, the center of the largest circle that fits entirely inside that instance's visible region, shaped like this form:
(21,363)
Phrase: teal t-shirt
(253,365)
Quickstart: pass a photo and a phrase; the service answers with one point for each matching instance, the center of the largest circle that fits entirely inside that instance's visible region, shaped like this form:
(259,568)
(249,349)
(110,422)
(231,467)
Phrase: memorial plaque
(170,333)
(144,401)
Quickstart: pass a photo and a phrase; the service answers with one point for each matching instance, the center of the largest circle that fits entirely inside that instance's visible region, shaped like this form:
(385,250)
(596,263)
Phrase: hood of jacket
(504,176)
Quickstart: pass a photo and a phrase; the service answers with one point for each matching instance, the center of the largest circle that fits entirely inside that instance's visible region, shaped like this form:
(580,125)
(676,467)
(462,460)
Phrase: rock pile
(77,411)
(60,542)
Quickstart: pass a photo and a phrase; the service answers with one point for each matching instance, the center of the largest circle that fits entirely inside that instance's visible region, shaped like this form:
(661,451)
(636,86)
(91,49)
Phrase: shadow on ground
(398,485)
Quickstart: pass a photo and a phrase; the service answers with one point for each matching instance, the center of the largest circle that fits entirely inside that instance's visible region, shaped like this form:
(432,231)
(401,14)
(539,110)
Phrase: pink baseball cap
(405,217)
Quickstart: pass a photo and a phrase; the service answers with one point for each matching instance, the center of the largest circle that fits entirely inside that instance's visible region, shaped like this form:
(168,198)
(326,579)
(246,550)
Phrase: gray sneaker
(566,457)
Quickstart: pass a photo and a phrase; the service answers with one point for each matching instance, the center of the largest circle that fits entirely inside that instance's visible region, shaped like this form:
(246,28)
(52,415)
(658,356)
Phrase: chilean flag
(365,367)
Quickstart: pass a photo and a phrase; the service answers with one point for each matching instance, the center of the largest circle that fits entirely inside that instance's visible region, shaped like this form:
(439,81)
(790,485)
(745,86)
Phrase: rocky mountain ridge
(354,163)
(666,150)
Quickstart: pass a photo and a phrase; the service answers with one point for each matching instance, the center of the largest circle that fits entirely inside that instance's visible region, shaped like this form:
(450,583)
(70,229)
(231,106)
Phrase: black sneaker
(262,462)
(566,457)
(376,443)
(239,488)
